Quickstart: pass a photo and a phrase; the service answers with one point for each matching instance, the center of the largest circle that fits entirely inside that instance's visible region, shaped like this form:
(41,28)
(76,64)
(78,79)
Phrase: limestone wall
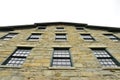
(37,64)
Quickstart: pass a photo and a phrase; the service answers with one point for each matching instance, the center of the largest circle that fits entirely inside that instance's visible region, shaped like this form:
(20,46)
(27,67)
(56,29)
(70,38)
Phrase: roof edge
(7,28)
(61,23)
(112,29)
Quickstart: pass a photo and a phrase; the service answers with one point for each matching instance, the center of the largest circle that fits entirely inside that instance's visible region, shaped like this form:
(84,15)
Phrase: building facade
(59,51)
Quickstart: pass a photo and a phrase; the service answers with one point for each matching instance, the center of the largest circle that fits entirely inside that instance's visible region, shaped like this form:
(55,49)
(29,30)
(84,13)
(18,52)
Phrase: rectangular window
(112,37)
(79,28)
(61,37)
(104,58)
(60,28)
(9,36)
(42,27)
(18,57)
(34,37)
(87,37)
(61,57)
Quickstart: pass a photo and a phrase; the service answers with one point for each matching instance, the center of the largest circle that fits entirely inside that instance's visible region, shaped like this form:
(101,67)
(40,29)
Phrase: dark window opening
(61,57)
(112,37)
(87,37)
(104,58)
(18,57)
(60,28)
(79,28)
(61,37)
(9,36)
(42,27)
(34,36)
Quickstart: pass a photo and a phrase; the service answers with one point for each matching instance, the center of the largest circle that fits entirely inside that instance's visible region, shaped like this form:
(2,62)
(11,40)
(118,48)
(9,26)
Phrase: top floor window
(34,37)
(60,28)
(42,27)
(112,37)
(61,37)
(87,37)
(79,28)
(9,36)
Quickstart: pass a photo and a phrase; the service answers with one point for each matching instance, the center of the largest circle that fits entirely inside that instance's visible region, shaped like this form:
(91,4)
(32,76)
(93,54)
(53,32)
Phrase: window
(112,37)
(34,37)
(60,28)
(104,58)
(87,37)
(42,27)
(79,28)
(9,36)
(61,57)
(18,57)
(61,37)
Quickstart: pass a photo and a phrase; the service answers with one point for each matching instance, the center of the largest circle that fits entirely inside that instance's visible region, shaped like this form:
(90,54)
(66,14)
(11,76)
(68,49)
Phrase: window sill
(41,30)
(60,40)
(61,46)
(60,30)
(38,32)
(111,68)
(61,68)
(81,30)
(91,41)
(33,40)
(5,66)
(98,46)
(26,45)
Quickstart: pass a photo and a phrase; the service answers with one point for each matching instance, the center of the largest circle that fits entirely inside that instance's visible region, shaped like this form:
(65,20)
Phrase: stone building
(59,51)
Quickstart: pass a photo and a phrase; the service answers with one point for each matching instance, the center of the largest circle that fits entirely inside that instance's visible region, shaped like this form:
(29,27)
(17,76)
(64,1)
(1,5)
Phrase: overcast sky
(93,12)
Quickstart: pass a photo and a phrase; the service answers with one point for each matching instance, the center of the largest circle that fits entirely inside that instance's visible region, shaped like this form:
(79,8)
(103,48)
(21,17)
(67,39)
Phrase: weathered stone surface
(36,66)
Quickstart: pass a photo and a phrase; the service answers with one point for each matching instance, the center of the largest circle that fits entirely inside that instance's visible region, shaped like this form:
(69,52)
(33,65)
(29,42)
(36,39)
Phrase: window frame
(113,39)
(34,39)
(60,39)
(8,38)
(5,62)
(114,60)
(80,28)
(60,28)
(87,39)
(59,48)
(41,27)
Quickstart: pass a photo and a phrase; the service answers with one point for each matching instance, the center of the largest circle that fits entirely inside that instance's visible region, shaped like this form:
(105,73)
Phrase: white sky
(92,12)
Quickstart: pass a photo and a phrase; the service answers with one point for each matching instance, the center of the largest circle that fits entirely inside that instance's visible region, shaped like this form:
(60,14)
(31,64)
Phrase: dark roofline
(61,23)
(11,28)
(112,29)
(7,28)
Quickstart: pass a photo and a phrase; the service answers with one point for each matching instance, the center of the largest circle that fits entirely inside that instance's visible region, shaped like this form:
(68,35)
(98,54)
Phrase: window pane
(34,37)
(112,37)
(42,27)
(15,61)
(18,57)
(104,57)
(61,57)
(79,28)
(60,28)
(87,37)
(60,37)
(9,36)
(6,38)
